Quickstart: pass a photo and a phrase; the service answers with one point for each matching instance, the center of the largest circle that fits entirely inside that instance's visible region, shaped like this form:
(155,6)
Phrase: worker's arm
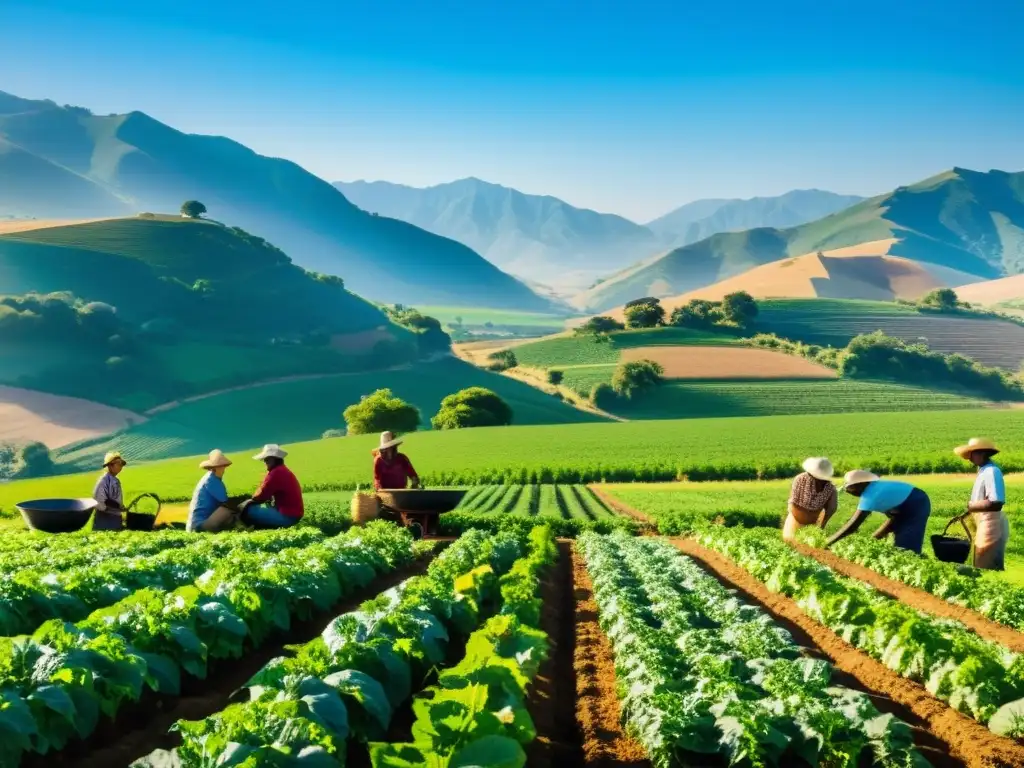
(266,490)
(414,479)
(884,529)
(995,492)
(851,526)
(99,493)
(830,509)
(378,478)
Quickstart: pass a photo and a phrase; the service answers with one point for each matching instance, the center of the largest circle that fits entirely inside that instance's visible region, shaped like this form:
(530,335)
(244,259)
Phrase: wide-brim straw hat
(388,440)
(858,476)
(216,459)
(819,467)
(111,457)
(271,451)
(975,444)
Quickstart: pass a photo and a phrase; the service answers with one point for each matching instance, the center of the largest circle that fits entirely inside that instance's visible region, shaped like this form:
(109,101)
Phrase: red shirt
(283,487)
(394,474)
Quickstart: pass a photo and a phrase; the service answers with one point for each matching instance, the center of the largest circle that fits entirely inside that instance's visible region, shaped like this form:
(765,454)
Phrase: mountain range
(958,225)
(542,238)
(65,162)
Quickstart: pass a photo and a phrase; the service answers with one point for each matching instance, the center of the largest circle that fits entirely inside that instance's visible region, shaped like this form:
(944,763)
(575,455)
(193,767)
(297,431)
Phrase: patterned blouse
(806,497)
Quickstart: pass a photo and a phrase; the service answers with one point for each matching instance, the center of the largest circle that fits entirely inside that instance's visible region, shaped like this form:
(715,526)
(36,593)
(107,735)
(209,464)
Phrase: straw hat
(975,444)
(387,440)
(858,476)
(271,451)
(111,457)
(217,459)
(819,467)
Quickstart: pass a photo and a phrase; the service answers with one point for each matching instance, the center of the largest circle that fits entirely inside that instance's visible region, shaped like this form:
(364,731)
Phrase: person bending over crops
(906,508)
(987,499)
(108,495)
(277,503)
(812,499)
(391,471)
(210,509)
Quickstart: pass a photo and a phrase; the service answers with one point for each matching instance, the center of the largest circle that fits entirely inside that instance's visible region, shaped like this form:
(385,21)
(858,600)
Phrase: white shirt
(989,485)
(108,488)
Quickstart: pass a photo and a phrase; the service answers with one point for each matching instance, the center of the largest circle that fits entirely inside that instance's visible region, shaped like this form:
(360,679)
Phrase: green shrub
(636,376)
(381,412)
(555,376)
(648,314)
(472,407)
(599,324)
(502,360)
(603,396)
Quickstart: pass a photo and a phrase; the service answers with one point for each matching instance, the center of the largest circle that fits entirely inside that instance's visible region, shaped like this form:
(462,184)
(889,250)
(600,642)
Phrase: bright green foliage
(636,377)
(702,673)
(472,407)
(381,412)
(972,675)
(66,675)
(347,683)
(959,584)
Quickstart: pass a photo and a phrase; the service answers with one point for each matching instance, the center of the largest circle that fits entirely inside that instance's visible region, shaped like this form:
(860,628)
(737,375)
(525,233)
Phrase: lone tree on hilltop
(472,407)
(381,412)
(739,308)
(636,376)
(649,314)
(942,298)
(192,209)
(599,324)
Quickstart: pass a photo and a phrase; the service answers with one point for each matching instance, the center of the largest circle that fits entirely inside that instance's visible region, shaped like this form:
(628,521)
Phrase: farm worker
(906,507)
(392,470)
(277,503)
(108,494)
(812,499)
(207,512)
(987,500)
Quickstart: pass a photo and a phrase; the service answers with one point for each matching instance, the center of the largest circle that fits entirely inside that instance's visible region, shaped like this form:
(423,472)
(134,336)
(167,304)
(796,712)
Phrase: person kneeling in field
(208,511)
(906,507)
(277,503)
(987,499)
(813,498)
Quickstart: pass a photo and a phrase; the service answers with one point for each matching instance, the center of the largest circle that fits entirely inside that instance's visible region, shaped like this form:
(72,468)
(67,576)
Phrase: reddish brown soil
(917,598)
(622,508)
(138,732)
(605,744)
(959,737)
(552,700)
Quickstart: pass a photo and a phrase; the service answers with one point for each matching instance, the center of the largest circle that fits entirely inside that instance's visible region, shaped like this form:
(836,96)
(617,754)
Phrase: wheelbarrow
(56,515)
(418,509)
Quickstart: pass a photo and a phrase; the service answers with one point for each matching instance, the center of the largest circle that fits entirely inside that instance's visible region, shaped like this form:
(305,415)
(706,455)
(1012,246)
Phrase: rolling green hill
(58,162)
(963,220)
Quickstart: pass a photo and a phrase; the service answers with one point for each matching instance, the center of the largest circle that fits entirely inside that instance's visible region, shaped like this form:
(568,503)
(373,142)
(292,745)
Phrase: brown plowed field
(605,744)
(702,362)
(917,598)
(944,736)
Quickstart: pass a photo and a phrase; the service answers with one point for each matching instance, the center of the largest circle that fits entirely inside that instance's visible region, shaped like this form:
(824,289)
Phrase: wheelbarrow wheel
(416,529)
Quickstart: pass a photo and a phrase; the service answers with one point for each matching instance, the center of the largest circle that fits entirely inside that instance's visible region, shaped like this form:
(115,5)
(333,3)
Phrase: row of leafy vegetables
(57,683)
(975,676)
(961,585)
(702,673)
(69,582)
(342,689)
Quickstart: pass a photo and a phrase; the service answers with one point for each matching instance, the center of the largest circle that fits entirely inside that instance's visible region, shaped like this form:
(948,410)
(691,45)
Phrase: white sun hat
(819,467)
(216,459)
(387,440)
(858,476)
(271,451)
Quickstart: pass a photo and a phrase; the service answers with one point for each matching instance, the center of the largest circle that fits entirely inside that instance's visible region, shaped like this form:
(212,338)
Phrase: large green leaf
(365,692)
(490,752)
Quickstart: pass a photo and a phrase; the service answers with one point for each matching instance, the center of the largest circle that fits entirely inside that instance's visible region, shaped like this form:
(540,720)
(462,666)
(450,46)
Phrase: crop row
(972,675)
(44,591)
(569,509)
(23,549)
(56,684)
(701,672)
(997,600)
(345,685)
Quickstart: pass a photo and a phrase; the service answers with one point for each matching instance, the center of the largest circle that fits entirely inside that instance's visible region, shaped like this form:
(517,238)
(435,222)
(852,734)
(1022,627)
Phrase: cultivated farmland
(707,362)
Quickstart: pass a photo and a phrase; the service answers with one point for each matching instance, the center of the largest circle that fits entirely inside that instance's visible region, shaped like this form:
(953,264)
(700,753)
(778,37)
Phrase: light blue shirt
(209,494)
(883,495)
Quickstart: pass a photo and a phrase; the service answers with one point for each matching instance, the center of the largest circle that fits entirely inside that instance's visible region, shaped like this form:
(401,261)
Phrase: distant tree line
(59,316)
(383,411)
(430,336)
(736,311)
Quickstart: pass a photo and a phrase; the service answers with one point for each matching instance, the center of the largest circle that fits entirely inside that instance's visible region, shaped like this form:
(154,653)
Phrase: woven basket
(364,508)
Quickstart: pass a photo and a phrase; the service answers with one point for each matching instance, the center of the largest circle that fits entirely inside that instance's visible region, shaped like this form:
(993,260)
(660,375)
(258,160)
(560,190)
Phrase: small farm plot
(709,362)
(569,509)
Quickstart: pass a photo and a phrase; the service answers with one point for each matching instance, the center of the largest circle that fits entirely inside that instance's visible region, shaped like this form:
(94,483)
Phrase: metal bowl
(420,500)
(56,515)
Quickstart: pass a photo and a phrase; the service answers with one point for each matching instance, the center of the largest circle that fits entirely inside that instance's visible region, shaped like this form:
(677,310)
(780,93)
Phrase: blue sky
(632,108)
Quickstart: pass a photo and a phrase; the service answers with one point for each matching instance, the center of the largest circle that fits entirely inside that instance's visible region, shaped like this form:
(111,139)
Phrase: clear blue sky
(628,107)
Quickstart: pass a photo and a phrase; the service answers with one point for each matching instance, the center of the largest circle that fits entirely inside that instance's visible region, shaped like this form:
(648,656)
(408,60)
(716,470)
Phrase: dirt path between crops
(552,698)
(605,744)
(918,598)
(141,729)
(622,508)
(967,741)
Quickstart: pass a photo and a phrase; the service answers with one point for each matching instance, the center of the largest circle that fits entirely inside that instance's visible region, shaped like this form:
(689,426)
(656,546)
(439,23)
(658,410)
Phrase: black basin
(56,515)
(416,500)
